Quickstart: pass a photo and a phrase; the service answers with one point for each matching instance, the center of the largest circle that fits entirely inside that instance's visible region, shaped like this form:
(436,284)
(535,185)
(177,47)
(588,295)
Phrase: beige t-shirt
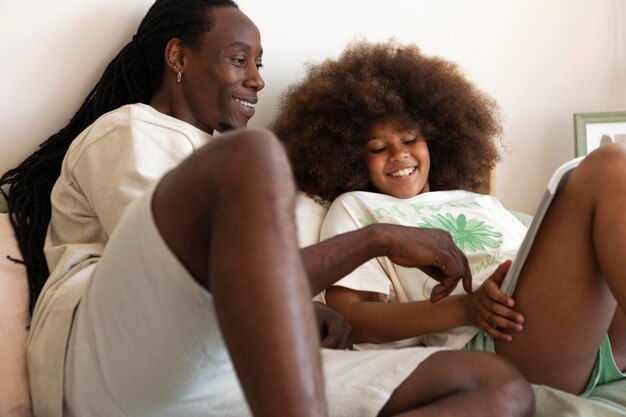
(106,167)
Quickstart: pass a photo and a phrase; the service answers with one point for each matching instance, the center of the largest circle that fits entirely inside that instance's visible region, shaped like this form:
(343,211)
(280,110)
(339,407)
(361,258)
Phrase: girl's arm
(379,322)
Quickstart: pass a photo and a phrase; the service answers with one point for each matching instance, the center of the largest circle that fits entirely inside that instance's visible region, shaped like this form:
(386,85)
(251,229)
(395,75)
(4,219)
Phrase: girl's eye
(259,65)
(377,150)
(240,62)
(410,141)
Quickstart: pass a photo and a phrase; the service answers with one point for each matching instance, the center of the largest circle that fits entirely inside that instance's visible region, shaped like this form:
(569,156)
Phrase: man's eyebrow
(243,45)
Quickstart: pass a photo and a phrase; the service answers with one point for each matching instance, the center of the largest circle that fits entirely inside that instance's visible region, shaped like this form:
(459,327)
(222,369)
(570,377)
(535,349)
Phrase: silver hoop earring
(179,76)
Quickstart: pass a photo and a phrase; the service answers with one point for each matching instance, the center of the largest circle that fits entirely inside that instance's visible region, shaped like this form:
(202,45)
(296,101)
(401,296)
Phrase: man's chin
(225,127)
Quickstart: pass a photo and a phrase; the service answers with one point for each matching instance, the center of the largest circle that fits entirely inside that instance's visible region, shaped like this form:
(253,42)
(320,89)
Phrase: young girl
(411,140)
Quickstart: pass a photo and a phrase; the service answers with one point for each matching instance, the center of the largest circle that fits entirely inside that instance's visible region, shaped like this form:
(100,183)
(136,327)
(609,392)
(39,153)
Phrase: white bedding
(606,401)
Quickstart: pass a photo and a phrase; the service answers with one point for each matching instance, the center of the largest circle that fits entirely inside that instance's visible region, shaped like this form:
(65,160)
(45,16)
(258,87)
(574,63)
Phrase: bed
(606,401)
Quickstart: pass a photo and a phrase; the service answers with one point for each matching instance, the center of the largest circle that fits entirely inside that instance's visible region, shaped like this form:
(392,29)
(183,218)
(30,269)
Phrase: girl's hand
(492,310)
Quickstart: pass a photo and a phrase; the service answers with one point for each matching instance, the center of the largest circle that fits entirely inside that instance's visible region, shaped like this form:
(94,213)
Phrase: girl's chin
(403,196)
(403,190)
(405,193)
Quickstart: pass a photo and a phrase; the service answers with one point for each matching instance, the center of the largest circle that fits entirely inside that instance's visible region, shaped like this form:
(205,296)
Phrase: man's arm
(431,250)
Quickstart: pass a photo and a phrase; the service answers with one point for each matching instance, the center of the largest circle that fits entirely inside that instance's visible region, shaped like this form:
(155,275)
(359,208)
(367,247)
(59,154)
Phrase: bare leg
(573,276)
(227,213)
(458,383)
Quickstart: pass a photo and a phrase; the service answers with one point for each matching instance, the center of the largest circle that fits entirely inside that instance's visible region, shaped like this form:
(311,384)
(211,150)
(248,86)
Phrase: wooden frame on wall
(591,130)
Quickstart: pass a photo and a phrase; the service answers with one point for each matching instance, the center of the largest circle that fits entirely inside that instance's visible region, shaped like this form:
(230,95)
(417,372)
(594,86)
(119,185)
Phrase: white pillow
(310,213)
(14,321)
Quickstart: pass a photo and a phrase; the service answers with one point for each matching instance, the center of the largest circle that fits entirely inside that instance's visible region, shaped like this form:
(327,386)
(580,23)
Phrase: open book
(559,178)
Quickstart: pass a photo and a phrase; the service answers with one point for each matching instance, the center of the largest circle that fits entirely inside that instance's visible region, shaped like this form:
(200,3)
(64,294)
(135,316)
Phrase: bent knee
(254,145)
(494,377)
(236,156)
(254,155)
(604,169)
(607,158)
(238,163)
(511,392)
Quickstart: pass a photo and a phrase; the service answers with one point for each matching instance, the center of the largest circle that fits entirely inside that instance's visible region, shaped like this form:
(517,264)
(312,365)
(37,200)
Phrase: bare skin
(568,295)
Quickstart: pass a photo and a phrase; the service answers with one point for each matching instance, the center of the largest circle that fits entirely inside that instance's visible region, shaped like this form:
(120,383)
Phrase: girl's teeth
(403,172)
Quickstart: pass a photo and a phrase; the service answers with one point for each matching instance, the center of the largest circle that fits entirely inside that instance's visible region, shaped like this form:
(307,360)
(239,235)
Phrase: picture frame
(591,130)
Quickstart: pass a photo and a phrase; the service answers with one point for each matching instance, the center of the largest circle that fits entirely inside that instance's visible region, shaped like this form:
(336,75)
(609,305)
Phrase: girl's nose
(398,155)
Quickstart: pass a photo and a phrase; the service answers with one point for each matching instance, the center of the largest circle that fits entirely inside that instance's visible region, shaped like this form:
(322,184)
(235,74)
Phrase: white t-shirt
(107,166)
(481,227)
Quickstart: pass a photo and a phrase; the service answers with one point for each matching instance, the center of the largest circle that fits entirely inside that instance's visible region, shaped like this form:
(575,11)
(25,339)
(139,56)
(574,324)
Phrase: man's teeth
(403,172)
(245,103)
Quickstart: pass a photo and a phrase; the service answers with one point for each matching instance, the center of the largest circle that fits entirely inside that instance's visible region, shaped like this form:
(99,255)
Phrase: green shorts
(605,369)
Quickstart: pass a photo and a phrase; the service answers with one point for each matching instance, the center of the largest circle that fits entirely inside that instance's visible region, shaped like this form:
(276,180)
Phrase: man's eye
(240,62)
(259,65)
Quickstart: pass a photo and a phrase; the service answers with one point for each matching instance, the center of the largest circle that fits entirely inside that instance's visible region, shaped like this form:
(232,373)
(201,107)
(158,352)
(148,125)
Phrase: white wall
(542,60)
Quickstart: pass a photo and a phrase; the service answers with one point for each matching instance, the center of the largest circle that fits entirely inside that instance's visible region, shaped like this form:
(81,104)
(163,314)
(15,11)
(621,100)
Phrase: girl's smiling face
(397,160)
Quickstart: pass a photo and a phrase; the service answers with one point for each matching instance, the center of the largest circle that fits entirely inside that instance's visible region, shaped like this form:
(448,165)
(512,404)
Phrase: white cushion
(310,214)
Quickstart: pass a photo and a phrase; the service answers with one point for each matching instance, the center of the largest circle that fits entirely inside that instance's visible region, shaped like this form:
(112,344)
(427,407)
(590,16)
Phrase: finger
(500,312)
(455,258)
(500,272)
(506,324)
(346,342)
(443,288)
(501,321)
(329,343)
(462,271)
(343,331)
(496,296)
(466,276)
(332,341)
(432,271)
(459,270)
(498,334)
(498,303)
(339,335)
(495,332)
(439,292)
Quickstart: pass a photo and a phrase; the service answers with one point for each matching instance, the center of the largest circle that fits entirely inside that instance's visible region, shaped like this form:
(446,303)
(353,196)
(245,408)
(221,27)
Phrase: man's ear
(175,55)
